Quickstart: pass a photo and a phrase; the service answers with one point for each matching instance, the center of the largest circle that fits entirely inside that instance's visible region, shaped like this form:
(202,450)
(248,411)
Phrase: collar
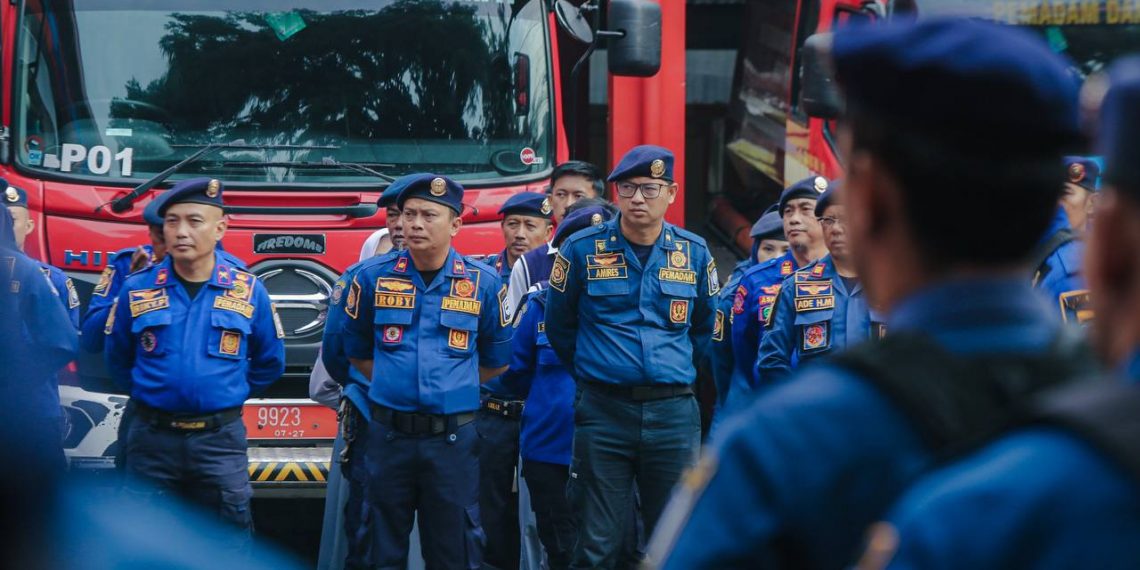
(1060,222)
(222,275)
(664,241)
(454,266)
(991,303)
(500,260)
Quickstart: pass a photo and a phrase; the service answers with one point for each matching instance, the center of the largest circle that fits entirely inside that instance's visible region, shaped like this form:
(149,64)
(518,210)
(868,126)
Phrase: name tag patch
(814,296)
(458,339)
(814,304)
(815,336)
(393,300)
(616,272)
(229,304)
(148,300)
(677,275)
(470,306)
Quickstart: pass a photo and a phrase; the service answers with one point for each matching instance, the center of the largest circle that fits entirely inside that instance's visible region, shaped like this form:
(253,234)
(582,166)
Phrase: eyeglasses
(829,221)
(649,190)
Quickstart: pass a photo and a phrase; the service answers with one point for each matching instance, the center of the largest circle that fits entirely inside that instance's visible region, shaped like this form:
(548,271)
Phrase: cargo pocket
(229,333)
(461,329)
(473,537)
(233,507)
(150,331)
(678,301)
(391,325)
(813,332)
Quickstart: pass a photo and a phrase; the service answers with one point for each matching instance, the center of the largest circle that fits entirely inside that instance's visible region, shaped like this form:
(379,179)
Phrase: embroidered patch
(814,304)
(458,268)
(714,278)
(148,341)
(240,291)
(401,265)
(230,344)
(542,326)
(338,292)
(738,301)
(110,324)
(677,275)
(599,246)
(104,283)
(352,303)
(228,304)
(393,301)
(223,275)
(615,272)
(148,300)
(470,306)
(679,311)
(464,288)
(558,273)
(813,289)
(277,320)
(393,334)
(815,336)
(605,260)
(504,313)
(457,339)
(72,295)
(766,314)
(162,276)
(1076,307)
(398,286)
(786,268)
(817,271)
(718,326)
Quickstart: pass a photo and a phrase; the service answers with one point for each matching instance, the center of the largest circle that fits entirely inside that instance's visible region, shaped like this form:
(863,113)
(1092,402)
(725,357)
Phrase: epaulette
(479,265)
(682,232)
(583,234)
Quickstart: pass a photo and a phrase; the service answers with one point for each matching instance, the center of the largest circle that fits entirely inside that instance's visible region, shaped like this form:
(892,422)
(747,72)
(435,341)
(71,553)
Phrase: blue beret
(580,220)
(645,160)
(1119,124)
(951,79)
(13,196)
(391,194)
(810,187)
(769,226)
(151,213)
(527,204)
(206,191)
(826,199)
(7,233)
(438,189)
(1083,171)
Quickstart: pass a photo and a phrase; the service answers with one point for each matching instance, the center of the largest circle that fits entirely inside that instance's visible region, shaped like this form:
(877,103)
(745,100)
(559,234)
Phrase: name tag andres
(678,275)
(460,304)
(394,301)
(814,303)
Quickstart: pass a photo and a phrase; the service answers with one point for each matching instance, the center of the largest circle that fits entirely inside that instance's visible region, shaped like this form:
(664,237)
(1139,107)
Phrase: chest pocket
(152,334)
(608,297)
(461,330)
(391,326)
(813,332)
(229,335)
(678,301)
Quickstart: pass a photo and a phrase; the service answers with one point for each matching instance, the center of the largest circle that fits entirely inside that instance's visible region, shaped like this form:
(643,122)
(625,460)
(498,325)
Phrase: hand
(139,259)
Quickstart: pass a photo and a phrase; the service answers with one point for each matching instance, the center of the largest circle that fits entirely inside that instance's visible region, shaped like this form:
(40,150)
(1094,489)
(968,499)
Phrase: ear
(455,225)
(549,231)
(31,224)
(673,192)
(221,227)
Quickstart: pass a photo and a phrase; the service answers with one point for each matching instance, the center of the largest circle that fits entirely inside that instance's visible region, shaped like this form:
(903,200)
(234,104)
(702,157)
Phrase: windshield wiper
(327,163)
(123,203)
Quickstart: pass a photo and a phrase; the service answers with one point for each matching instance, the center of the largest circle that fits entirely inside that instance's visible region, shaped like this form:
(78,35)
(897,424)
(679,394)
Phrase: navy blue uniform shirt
(621,323)
(194,356)
(1060,278)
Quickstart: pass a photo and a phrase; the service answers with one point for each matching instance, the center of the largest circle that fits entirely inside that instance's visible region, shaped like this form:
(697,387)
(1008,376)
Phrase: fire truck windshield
(114,91)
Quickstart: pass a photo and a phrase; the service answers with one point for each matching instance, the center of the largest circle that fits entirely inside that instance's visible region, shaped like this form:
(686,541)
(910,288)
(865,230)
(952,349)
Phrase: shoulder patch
(738,301)
(72,295)
(104,283)
(110,324)
(718,326)
(504,314)
(714,278)
(352,302)
(277,321)
(559,272)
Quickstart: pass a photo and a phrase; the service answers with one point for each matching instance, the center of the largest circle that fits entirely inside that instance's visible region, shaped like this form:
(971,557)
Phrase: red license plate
(289,421)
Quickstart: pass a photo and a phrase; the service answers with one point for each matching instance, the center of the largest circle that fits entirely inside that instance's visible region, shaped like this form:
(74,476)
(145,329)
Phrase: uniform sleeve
(119,348)
(566,281)
(48,324)
(266,344)
(517,287)
(774,361)
(358,331)
(494,342)
(520,377)
(332,357)
(721,349)
(704,311)
(67,295)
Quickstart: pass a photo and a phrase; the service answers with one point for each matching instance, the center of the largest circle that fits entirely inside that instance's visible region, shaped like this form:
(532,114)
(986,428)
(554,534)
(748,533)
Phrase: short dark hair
(580,168)
(944,179)
(595,202)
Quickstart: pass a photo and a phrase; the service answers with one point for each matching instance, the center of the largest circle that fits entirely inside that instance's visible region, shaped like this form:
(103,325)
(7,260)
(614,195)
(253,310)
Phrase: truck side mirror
(637,52)
(820,94)
(573,20)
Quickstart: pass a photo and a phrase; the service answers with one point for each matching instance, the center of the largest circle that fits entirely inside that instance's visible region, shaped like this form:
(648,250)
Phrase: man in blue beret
(191,338)
(40,339)
(820,309)
(389,201)
(631,311)
(1063,491)
(526,225)
(1057,261)
(756,293)
(22,225)
(795,478)
(768,242)
(423,324)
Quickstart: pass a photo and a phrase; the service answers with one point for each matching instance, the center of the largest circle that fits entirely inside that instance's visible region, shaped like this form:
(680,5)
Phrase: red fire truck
(306,109)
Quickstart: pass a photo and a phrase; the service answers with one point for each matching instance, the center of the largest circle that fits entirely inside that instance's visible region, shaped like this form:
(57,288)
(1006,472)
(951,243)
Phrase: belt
(186,422)
(642,393)
(417,423)
(511,409)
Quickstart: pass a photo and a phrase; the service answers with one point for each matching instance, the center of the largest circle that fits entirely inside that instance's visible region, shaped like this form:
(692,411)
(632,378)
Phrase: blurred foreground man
(795,479)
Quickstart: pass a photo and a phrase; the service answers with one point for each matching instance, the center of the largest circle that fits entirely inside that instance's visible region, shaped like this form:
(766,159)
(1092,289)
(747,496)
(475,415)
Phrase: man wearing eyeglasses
(631,312)
(820,308)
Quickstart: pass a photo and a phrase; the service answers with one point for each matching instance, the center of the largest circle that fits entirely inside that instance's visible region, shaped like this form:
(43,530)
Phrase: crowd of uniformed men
(951,416)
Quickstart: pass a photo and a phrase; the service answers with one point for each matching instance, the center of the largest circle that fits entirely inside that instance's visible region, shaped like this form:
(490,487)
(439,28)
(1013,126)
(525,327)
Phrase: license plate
(269,421)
